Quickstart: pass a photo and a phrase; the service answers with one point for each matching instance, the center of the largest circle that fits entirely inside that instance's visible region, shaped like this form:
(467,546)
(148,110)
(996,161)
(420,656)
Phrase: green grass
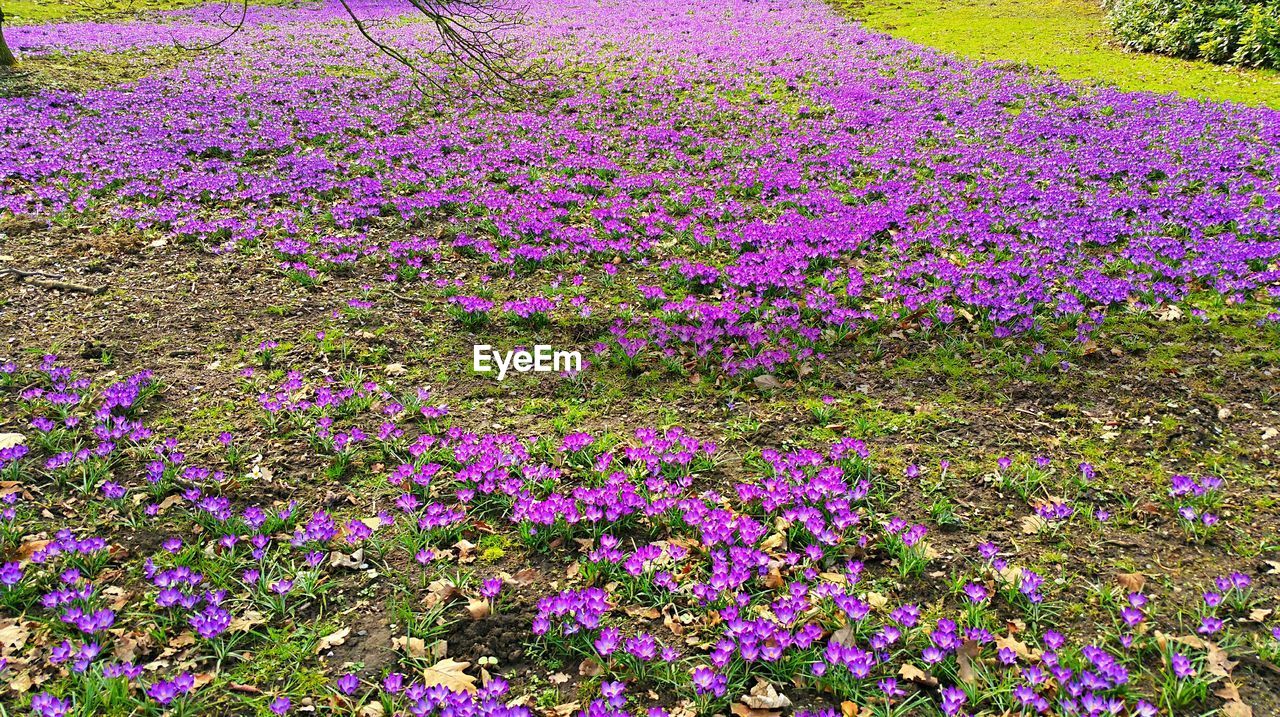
(33,11)
(1067,36)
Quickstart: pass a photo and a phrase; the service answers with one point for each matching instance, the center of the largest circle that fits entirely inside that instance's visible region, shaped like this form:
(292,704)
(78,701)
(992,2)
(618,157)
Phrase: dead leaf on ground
(410,646)
(1236,708)
(342,560)
(449,673)
(774,579)
(843,636)
(764,696)
(964,660)
(1132,582)
(13,636)
(21,683)
(525,577)
(466,551)
(565,709)
(244,689)
(439,592)
(640,611)
(1218,662)
(766,382)
(28,548)
(479,609)
(332,640)
(1019,647)
(1229,691)
(742,710)
(126,646)
(849,709)
(247,621)
(1033,524)
(911,673)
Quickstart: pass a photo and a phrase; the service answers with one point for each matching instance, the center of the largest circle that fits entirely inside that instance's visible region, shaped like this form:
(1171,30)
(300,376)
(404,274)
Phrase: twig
(235,28)
(410,299)
(24,273)
(66,286)
(51,281)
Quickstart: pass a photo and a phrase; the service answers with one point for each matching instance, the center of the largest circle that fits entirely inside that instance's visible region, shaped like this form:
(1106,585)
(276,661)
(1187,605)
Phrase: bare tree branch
(244,13)
(474,53)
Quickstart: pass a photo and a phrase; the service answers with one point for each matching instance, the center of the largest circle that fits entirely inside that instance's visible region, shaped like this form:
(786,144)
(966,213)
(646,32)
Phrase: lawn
(40,11)
(1067,36)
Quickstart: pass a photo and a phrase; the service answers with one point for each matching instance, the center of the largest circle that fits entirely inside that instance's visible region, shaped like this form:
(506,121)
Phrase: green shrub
(1233,32)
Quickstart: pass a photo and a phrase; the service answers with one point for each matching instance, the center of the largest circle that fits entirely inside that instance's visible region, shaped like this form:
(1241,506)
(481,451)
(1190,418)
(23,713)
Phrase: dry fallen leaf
(527,576)
(849,709)
(1019,647)
(911,673)
(202,679)
(766,382)
(764,696)
(1229,691)
(1033,524)
(964,660)
(1236,709)
(440,592)
(466,550)
(13,636)
(411,646)
(1132,582)
(774,579)
(590,668)
(1218,662)
(342,560)
(125,646)
(640,611)
(742,710)
(28,547)
(333,639)
(844,636)
(565,709)
(21,682)
(450,673)
(248,620)
(244,689)
(478,609)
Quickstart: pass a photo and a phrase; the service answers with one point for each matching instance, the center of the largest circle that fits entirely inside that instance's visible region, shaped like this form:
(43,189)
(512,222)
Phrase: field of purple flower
(911,386)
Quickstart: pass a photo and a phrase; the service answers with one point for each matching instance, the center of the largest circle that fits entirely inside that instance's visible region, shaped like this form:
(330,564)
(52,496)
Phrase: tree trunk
(7,59)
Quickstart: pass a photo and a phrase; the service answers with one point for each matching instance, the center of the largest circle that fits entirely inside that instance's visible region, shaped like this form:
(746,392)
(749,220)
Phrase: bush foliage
(1235,32)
